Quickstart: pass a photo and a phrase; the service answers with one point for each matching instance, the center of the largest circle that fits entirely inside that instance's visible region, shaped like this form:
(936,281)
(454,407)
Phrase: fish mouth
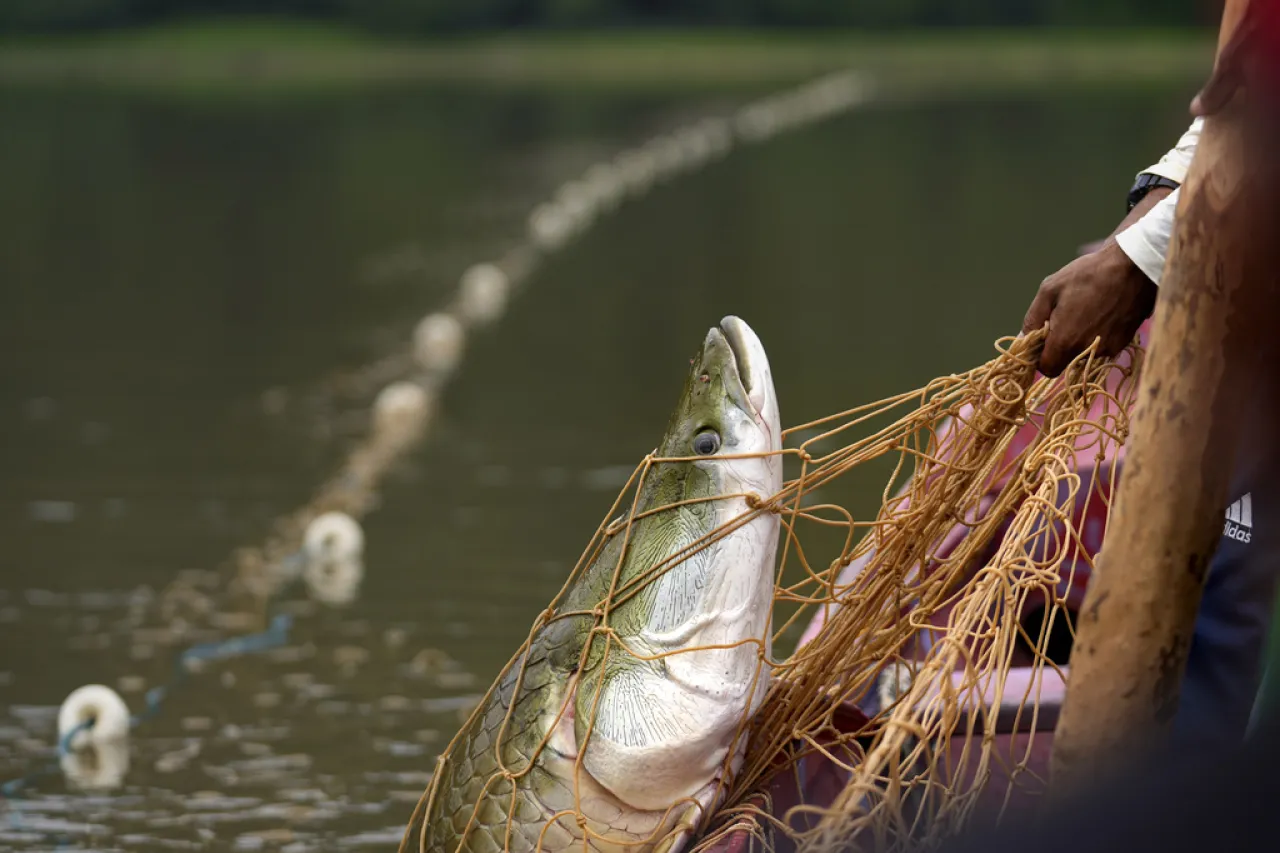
(749,358)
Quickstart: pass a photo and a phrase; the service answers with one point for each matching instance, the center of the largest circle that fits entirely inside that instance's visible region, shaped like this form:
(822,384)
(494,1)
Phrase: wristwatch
(1146,183)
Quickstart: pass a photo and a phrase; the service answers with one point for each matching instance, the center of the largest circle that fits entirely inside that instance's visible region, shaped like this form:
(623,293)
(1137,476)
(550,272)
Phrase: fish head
(727,421)
(688,589)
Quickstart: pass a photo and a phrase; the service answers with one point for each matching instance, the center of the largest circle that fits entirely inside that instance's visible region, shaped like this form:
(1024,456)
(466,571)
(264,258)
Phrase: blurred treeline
(412,17)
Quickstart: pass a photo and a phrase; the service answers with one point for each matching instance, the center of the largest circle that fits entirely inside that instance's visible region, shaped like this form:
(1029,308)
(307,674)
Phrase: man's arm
(1107,294)
(1147,241)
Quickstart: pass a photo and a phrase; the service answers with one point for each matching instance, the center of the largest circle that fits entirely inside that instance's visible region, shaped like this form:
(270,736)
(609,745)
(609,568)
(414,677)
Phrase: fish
(620,723)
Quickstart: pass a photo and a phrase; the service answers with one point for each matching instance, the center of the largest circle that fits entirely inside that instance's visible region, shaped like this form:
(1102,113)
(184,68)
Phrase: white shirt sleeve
(1175,164)
(1146,242)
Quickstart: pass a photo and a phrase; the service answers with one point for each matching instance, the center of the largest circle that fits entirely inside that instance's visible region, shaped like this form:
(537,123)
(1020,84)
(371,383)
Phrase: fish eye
(706,442)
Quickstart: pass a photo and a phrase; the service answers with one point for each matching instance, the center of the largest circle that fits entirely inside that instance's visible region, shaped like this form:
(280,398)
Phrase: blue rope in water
(9,790)
(275,635)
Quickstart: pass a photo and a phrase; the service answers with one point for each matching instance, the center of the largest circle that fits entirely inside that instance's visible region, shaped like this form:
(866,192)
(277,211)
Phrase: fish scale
(478,805)
(473,790)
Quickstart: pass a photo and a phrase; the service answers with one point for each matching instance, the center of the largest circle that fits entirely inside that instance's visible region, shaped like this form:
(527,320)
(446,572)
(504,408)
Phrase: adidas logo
(1240,520)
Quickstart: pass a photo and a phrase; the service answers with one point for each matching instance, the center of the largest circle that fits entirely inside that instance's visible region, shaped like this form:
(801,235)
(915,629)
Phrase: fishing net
(933,638)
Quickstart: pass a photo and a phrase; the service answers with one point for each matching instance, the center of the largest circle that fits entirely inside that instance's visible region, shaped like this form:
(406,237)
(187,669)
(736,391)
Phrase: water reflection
(190,277)
(335,582)
(97,766)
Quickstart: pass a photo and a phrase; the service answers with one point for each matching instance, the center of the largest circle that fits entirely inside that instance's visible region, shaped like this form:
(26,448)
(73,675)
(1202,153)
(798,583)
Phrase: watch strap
(1145,183)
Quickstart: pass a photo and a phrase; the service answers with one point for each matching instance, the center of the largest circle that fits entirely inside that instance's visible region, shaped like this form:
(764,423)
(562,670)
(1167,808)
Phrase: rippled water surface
(190,284)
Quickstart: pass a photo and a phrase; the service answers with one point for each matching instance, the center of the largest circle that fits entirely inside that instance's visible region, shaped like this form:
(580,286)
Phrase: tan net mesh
(944,617)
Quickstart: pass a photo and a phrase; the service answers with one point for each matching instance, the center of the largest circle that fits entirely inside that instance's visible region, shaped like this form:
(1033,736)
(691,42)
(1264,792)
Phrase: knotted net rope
(980,525)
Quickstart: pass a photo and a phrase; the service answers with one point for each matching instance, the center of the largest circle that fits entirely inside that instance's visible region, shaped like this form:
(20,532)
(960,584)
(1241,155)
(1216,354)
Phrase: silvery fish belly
(619,726)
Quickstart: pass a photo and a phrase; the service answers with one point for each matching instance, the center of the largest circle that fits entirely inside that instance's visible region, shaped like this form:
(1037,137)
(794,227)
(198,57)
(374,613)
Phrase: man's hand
(1100,295)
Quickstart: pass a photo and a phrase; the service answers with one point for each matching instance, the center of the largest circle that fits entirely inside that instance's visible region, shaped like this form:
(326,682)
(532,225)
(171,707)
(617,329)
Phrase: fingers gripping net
(980,530)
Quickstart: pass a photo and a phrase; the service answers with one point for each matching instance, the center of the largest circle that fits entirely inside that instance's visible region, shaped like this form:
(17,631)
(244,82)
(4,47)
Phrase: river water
(186,280)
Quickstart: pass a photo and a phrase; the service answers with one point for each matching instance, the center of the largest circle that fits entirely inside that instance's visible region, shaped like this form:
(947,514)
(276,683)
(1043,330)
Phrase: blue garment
(1224,666)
